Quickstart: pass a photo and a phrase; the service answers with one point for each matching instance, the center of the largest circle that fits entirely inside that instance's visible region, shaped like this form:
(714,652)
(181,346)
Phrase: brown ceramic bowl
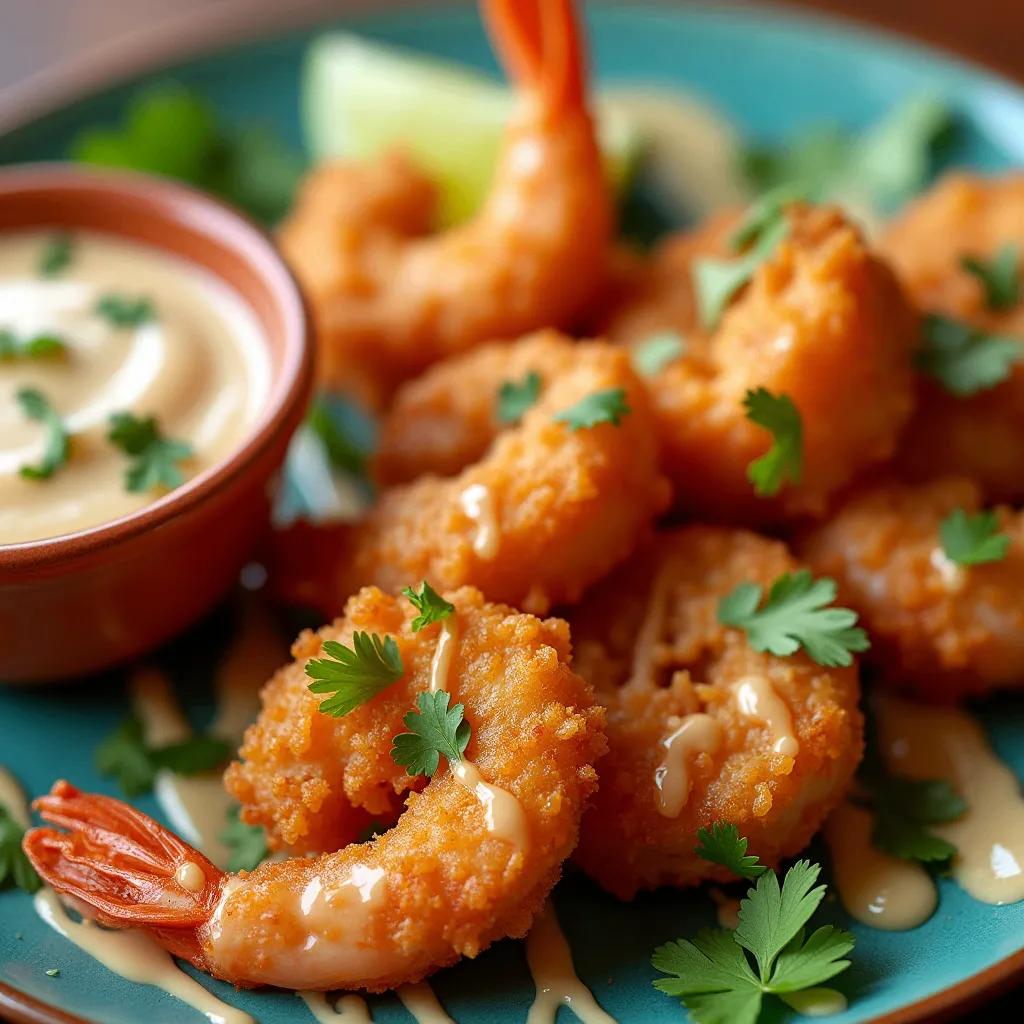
(89,600)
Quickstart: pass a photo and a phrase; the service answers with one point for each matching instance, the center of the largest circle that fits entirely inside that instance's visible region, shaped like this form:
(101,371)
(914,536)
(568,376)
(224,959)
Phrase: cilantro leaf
(963,358)
(57,444)
(803,965)
(723,845)
(606,406)
(154,458)
(430,604)
(795,616)
(15,867)
(354,674)
(514,399)
(260,172)
(247,843)
(39,346)
(343,452)
(433,731)
(1000,276)
(717,281)
(904,808)
(56,255)
(973,540)
(121,311)
(652,355)
(198,754)
(778,415)
(764,214)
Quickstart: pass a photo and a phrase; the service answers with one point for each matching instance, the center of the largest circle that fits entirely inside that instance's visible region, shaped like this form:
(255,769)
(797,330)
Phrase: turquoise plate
(772,73)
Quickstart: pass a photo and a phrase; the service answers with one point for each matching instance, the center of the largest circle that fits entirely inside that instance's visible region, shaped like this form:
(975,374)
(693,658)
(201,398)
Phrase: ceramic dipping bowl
(79,603)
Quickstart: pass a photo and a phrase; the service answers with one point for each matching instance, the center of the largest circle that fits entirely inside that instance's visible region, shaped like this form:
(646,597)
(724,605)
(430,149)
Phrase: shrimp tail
(128,868)
(540,44)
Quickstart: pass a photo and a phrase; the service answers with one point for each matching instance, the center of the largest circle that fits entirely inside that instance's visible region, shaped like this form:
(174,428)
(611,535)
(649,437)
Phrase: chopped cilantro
(344,453)
(38,346)
(354,674)
(433,730)
(963,358)
(780,417)
(999,276)
(763,215)
(514,399)
(15,867)
(904,808)
(432,607)
(56,255)
(654,354)
(154,458)
(121,311)
(247,843)
(723,845)
(795,616)
(606,406)
(57,444)
(973,540)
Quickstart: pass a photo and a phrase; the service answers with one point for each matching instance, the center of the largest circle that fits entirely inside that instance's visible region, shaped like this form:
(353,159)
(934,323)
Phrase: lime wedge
(360,98)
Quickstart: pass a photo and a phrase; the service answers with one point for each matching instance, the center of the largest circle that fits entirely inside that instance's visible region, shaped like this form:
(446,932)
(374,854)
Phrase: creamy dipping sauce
(200,366)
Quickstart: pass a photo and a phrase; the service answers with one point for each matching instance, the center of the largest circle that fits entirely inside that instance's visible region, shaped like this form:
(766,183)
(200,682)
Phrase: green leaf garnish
(764,213)
(514,399)
(606,406)
(795,616)
(121,311)
(712,975)
(155,458)
(432,607)
(433,731)
(973,540)
(651,356)
(717,281)
(723,845)
(39,346)
(963,358)
(125,755)
(247,843)
(999,276)
(354,674)
(780,417)
(57,442)
(904,808)
(342,451)
(15,867)
(56,255)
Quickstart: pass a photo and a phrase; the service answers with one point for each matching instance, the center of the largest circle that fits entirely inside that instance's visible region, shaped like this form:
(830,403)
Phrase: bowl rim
(216,222)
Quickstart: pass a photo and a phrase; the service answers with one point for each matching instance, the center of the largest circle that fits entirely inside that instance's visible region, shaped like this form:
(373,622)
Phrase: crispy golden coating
(940,631)
(823,321)
(650,680)
(567,506)
(978,436)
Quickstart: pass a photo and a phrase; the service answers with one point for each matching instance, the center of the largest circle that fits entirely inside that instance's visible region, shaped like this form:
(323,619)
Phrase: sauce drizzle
(349,1009)
(441,662)
(758,700)
(478,503)
(503,813)
(422,1003)
(697,734)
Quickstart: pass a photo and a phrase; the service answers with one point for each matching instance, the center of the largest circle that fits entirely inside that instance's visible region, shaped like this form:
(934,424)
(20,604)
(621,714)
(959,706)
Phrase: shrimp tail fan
(129,869)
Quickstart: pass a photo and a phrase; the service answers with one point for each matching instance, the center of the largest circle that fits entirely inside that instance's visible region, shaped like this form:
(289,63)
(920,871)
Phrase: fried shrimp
(389,299)
(941,630)
(470,860)
(823,321)
(976,436)
(701,727)
(548,510)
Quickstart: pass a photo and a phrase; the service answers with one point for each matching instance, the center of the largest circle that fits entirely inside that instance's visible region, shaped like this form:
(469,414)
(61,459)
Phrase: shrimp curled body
(389,299)
(441,884)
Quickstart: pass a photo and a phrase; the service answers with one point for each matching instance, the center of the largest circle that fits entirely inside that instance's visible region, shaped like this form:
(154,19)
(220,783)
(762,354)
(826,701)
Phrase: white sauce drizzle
(645,648)
(441,663)
(876,889)
(349,1009)
(135,956)
(697,734)
(758,700)
(503,813)
(816,1002)
(422,1003)
(478,503)
(12,799)
(947,743)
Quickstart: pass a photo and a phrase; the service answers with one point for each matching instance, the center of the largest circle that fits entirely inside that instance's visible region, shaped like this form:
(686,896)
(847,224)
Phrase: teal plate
(772,73)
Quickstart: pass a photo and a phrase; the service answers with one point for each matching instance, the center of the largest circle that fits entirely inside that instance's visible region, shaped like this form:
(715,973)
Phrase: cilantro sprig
(56,255)
(57,441)
(781,418)
(354,674)
(904,811)
(606,406)
(963,358)
(434,729)
(723,845)
(122,311)
(126,756)
(432,607)
(155,458)
(15,867)
(795,616)
(514,398)
(247,843)
(999,276)
(656,353)
(973,539)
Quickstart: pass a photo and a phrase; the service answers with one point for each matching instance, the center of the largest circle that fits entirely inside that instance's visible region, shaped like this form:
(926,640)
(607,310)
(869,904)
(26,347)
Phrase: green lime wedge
(360,98)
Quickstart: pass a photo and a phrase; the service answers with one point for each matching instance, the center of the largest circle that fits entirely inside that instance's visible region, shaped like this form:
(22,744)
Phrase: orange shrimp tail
(123,864)
(540,44)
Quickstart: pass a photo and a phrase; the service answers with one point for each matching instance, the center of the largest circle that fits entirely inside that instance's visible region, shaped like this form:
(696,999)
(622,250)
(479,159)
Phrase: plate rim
(232,24)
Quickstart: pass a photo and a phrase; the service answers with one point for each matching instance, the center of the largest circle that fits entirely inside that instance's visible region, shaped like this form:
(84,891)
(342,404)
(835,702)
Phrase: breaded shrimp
(470,860)
(977,436)
(939,630)
(701,727)
(823,321)
(389,298)
(548,510)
